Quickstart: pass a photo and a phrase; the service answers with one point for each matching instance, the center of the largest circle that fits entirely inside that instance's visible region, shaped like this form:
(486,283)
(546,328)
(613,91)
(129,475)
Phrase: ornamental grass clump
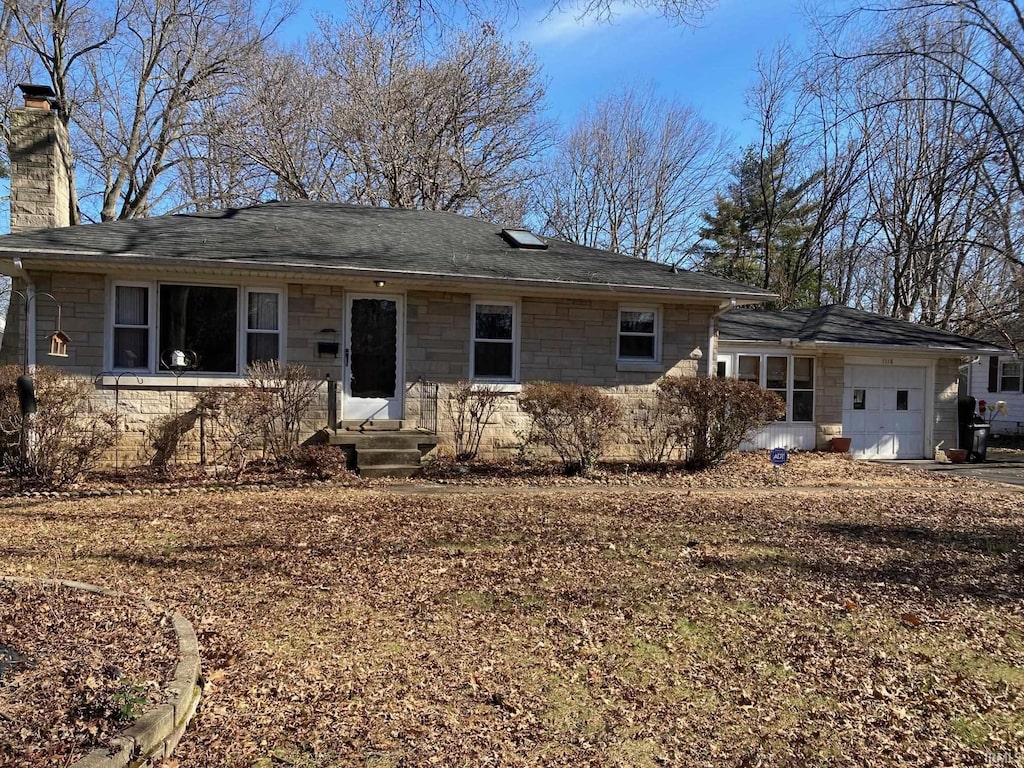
(574,421)
(716,415)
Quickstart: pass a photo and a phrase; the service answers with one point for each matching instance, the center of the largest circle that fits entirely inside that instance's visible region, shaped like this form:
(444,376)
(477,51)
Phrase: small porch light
(696,354)
(380,283)
(59,344)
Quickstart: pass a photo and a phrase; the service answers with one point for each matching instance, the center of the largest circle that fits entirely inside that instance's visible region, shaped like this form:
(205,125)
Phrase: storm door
(373,357)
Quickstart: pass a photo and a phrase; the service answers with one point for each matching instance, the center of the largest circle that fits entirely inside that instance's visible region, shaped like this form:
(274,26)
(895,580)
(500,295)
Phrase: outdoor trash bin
(974,437)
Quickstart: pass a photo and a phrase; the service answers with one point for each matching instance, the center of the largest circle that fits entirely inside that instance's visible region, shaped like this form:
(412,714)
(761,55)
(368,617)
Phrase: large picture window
(203,320)
(224,328)
(494,341)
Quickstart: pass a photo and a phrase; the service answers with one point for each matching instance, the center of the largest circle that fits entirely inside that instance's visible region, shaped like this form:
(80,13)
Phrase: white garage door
(883,411)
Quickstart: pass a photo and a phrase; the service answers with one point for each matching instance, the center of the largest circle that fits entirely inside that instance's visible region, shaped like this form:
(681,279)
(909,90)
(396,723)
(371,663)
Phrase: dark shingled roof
(312,235)
(836,324)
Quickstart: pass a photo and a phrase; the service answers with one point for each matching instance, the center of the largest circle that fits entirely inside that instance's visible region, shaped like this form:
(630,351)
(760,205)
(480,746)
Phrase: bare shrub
(281,398)
(653,429)
(165,435)
(237,419)
(716,415)
(573,420)
(469,408)
(322,462)
(68,434)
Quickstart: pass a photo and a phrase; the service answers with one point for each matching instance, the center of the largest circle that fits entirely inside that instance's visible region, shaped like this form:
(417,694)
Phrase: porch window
(803,389)
(777,379)
(1010,376)
(225,327)
(748,368)
(494,341)
(638,334)
(791,378)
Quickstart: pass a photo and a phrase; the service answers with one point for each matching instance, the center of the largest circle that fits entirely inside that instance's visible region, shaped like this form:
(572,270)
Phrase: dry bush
(469,408)
(654,430)
(716,415)
(281,396)
(68,434)
(236,426)
(321,462)
(165,435)
(573,420)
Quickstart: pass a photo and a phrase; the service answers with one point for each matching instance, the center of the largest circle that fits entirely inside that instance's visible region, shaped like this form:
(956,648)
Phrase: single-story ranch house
(386,303)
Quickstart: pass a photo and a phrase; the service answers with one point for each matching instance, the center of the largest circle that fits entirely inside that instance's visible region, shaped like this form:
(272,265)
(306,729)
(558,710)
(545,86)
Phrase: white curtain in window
(131,305)
(262,311)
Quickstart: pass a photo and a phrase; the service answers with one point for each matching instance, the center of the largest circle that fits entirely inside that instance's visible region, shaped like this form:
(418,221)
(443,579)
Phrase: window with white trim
(495,339)
(802,407)
(639,334)
(790,377)
(224,327)
(776,372)
(1010,376)
(131,327)
(263,326)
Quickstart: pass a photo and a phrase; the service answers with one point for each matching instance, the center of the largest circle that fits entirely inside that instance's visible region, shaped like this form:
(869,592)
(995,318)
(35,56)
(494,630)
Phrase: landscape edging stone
(155,734)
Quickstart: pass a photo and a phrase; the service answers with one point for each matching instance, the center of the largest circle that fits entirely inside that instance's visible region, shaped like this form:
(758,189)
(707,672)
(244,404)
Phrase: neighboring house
(890,386)
(995,378)
(379,300)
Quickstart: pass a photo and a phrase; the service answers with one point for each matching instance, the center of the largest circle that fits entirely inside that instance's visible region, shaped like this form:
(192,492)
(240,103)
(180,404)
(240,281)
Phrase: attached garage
(884,411)
(887,385)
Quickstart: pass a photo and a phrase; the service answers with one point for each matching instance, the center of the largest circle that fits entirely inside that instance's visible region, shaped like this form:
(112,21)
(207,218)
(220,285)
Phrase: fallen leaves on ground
(739,470)
(758,627)
(84,667)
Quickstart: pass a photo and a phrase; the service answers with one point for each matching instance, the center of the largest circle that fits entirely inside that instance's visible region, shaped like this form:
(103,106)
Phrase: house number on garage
(888,361)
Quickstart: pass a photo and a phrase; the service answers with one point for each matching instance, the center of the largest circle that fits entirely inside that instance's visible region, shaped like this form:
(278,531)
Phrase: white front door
(884,410)
(373,357)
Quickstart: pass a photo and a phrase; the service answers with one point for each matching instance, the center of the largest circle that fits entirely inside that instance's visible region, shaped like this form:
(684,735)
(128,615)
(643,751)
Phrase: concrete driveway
(1000,466)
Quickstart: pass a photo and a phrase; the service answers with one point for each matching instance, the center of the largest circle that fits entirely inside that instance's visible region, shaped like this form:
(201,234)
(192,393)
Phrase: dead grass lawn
(761,627)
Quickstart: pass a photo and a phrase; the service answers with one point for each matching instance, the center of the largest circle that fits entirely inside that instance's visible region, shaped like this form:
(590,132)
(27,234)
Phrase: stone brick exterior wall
(947,392)
(828,400)
(563,340)
(568,340)
(40,157)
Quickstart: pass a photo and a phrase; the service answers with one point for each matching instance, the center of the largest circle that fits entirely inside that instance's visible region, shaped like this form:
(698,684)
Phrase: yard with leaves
(573,626)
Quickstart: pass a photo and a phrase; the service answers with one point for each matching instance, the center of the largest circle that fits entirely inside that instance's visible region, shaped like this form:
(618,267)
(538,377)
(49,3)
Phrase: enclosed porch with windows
(790,376)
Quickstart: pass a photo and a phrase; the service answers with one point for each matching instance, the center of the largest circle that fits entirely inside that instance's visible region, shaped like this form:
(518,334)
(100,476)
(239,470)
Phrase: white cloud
(547,26)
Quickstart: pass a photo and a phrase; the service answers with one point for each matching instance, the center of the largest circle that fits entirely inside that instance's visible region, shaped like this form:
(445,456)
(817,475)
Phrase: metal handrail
(426,419)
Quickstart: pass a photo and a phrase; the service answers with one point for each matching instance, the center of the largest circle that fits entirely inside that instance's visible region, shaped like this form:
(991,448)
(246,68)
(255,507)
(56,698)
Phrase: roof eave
(48,258)
(925,349)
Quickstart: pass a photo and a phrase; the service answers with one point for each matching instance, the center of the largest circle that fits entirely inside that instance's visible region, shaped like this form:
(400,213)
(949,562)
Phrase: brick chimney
(42,191)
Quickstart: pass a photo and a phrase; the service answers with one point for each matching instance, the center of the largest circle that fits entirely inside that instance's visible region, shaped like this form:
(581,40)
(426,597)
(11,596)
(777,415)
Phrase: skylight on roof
(523,238)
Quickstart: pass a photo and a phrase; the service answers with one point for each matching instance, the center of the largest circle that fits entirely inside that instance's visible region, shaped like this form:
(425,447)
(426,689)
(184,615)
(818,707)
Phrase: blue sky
(710,67)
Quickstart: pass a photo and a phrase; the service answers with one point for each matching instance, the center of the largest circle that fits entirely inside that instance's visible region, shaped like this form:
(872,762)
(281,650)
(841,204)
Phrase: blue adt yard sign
(778,456)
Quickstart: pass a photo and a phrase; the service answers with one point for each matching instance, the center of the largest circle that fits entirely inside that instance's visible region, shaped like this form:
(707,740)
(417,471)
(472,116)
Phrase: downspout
(724,307)
(28,316)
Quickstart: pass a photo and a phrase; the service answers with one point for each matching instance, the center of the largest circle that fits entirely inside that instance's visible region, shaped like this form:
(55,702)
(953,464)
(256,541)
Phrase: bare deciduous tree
(633,176)
(459,131)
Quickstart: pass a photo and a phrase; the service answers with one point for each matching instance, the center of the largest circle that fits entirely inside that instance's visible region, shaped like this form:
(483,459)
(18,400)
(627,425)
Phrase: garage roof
(837,324)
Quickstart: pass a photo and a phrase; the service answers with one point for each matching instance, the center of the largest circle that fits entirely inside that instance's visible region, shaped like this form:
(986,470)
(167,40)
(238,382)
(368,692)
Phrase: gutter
(17,272)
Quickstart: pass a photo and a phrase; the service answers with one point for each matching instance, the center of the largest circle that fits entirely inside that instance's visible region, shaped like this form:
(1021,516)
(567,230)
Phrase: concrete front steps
(384,448)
